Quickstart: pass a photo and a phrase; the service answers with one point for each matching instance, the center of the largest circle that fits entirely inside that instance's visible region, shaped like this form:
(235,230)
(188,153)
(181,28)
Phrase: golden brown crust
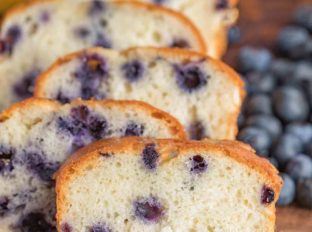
(235,150)
(176,128)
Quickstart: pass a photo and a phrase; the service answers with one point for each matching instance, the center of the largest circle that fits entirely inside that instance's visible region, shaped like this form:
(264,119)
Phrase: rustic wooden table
(260,21)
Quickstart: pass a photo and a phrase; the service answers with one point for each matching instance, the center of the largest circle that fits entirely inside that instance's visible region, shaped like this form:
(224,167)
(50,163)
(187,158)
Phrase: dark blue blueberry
(267,122)
(222,4)
(102,41)
(36,222)
(301,130)
(308,90)
(259,104)
(303,17)
(6,157)
(253,59)
(150,156)
(299,167)
(4,202)
(12,36)
(308,149)
(198,164)
(99,228)
(283,69)
(96,7)
(97,127)
(304,193)
(24,88)
(259,83)
(287,147)
(273,161)
(234,35)
(267,195)
(148,210)
(180,43)
(82,32)
(258,138)
(134,129)
(133,70)
(190,77)
(241,120)
(292,41)
(303,72)
(65,227)
(288,191)
(197,131)
(290,104)
(44,169)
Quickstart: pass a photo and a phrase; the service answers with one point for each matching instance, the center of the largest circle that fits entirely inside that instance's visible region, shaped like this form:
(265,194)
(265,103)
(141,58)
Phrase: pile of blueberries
(276,118)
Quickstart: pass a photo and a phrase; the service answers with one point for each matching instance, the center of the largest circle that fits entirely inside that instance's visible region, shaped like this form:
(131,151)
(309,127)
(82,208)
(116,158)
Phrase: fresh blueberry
(190,77)
(299,167)
(267,195)
(6,157)
(304,193)
(222,4)
(96,7)
(12,36)
(4,202)
(150,156)
(133,70)
(36,222)
(234,35)
(65,227)
(273,161)
(149,210)
(134,129)
(292,41)
(303,17)
(288,191)
(198,164)
(241,120)
(308,150)
(290,104)
(286,148)
(24,88)
(259,83)
(180,43)
(308,90)
(267,122)
(259,104)
(303,72)
(301,130)
(99,228)
(283,69)
(197,131)
(102,41)
(253,59)
(258,138)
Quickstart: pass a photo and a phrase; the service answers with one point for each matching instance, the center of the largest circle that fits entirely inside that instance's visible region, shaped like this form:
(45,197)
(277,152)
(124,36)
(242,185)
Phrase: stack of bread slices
(118,116)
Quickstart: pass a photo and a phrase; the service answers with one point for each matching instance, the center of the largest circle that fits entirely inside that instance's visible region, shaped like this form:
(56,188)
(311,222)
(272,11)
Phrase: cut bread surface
(37,135)
(150,185)
(33,35)
(205,95)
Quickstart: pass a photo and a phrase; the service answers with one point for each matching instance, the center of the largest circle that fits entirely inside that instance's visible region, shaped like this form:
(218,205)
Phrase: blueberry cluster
(276,119)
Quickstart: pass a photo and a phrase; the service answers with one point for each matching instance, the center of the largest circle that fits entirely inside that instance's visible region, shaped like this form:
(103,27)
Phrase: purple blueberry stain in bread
(133,70)
(96,7)
(150,156)
(4,202)
(11,37)
(180,43)
(222,4)
(6,156)
(82,32)
(102,41)
(197,131)
(99,228)
(134,129)
(190,77)
(97,127)
(65,227)
(198,164)
(45,16)
(148,210)
(24,88)
(35,222)
(62,98)
(267,195)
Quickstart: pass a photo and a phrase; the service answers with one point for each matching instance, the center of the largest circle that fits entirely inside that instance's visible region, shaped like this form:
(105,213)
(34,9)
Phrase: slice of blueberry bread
(34,35)
(212,18)
(135,184)
(205,95)
(38,135)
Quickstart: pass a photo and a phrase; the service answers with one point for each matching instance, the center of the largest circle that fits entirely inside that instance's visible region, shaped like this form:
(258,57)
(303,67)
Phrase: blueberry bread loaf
(34,35)
(203,94)
(135,184)
(212,18)
(38,135)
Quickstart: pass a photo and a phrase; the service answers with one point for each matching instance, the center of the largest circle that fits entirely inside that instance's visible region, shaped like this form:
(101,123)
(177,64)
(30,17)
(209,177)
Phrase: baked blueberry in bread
(35,34)
(137,184)
(38,135)
(212,17)
(205,95)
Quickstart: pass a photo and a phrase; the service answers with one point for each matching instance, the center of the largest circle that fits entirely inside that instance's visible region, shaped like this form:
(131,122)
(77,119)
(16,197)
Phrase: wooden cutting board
(260,22)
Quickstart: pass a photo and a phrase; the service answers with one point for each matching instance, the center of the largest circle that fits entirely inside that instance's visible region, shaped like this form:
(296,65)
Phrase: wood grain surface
(260,22)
